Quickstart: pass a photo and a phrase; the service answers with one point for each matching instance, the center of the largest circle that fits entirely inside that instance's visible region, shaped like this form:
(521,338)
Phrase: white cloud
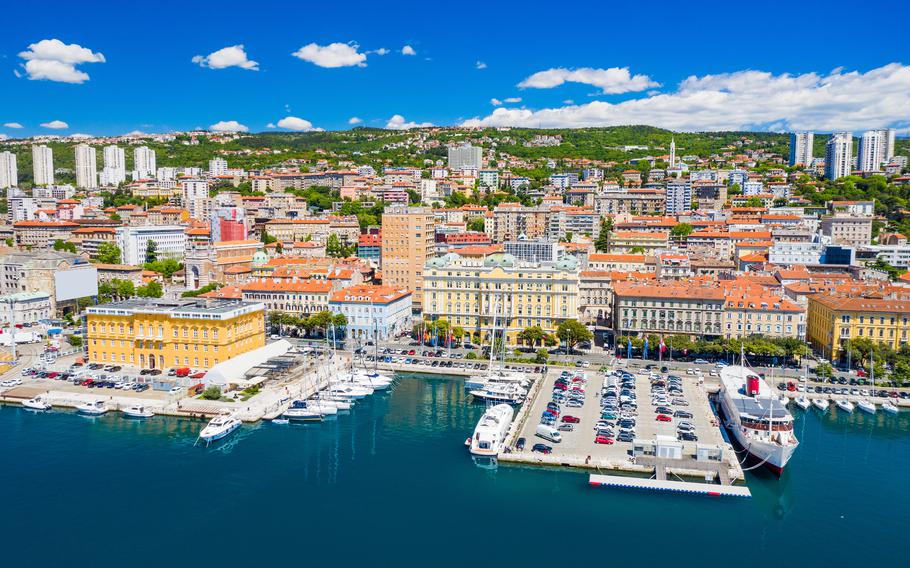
(480,65)
(270,125)
(53,60)
(380,51)
(495,102)
(744,100)
(136,133)
(611,81)
(568,102)
(354,120)
(55,124)
(296,124)
(233,56)
(12,125)
(3,136)
(79,136)
(228,126)
(332,55)
(408,50)
(512,100)
(398,122)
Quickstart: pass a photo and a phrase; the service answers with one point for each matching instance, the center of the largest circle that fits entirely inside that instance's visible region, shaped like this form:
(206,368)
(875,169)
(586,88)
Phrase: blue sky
(579,64)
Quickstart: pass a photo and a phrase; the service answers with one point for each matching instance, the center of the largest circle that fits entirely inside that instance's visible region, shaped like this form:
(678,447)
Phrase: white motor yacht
(866,406)
(511,394)
(374,381)
(490,432)
(802,402)
(890,407)
(844,405)
(821,403)
(37,403)
(94,408)
(322,407)
(137,411)
(220,426)
(349,391)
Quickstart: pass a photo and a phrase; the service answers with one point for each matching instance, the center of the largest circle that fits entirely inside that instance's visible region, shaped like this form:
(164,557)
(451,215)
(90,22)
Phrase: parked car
(542,448)
(664,418)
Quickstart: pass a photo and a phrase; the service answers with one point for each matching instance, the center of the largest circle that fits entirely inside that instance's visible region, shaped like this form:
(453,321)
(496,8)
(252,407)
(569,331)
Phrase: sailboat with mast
(498,377)
(866,404)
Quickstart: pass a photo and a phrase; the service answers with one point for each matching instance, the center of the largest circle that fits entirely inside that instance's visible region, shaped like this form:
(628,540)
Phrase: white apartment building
(143,163)
(467,155)
(196,198)
(218,167)
(25,307)
(876,147)
(679,197)
(114,172)
(753,187)
(838,155)
(166,174)
(801,148)
(786,253)
(86,167)
(9,174)
(170,242)
(43,165)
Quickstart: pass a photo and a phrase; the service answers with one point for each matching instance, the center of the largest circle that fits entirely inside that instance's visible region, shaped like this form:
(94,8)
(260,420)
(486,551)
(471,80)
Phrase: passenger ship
(756,418)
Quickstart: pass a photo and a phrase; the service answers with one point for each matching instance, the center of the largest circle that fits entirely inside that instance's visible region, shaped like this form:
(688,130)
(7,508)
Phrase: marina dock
(597,480)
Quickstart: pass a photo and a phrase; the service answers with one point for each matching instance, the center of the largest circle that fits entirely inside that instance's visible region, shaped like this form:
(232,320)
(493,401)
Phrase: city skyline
(73,76)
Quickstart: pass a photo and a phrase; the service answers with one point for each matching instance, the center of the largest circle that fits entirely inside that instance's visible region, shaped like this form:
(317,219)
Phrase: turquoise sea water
(392,485)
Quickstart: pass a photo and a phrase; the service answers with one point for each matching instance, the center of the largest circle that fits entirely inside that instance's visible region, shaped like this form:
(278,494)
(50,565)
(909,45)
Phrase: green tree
(64,246)
(572,332)
(602,243)
(209,288)
(532,336)
(637,250)
(681,230)
(824,370)
(75,340)
(476,224)
(212,393)
(151,290)
(541,356)
(266,237)
(108,253)
(167,267)
(151,251)
(334,248)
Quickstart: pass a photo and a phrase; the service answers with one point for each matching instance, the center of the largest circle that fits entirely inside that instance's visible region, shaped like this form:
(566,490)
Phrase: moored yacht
(844,405)
(219,427)
(137,410)
(890,407)
(756,418)
(350,391)
(94,408)
(821,404)
(490,432)
(301,412)
(37,403)
(802,402)
(866,406)
(511,394)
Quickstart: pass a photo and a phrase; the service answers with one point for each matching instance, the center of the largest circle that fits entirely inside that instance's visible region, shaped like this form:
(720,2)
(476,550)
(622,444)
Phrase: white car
(713,373)
(175,390)
(11,383)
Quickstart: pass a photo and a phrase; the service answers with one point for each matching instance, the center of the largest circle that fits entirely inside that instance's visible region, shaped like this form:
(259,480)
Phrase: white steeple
(672,152)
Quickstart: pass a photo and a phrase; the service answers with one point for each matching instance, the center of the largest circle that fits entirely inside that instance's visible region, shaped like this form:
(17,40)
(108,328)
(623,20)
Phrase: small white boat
(95,408)
(890,407)
(866,406)
(802,402)
(349,391)
(219,427)
(137,411)
(337,401)
(322,407)
(280,421)
(505,393)
(785,400)
(37,403)
(844,405)
(821,403)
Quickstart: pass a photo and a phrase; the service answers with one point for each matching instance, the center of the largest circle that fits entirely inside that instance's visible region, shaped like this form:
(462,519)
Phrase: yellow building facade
(832,320)
(470,293)
(152,334)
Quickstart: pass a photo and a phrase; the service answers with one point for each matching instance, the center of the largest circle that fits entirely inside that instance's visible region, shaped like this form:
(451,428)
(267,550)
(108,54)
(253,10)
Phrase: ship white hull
(772,456)
(491,430)
(210,434)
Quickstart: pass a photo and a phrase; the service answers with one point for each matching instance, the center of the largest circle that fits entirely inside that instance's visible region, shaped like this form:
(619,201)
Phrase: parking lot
(638,413)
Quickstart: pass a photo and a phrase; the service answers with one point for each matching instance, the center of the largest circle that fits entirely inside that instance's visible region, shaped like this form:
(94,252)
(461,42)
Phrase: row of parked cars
(669,403)
(569,391)
(87,379)
(618,409)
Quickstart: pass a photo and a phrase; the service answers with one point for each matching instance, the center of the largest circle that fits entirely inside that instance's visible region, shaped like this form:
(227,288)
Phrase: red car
(560,386)
(53,375)
(603,440)
(664,418)
(411,352)
(571,419)
(86,382)
(791,387)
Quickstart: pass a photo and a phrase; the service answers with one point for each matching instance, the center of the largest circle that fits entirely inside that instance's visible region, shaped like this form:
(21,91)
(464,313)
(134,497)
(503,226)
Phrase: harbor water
(391,484)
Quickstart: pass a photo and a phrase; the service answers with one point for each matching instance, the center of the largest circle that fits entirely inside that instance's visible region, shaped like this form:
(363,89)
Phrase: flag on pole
(661,348)
(645,355)
(629,355)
